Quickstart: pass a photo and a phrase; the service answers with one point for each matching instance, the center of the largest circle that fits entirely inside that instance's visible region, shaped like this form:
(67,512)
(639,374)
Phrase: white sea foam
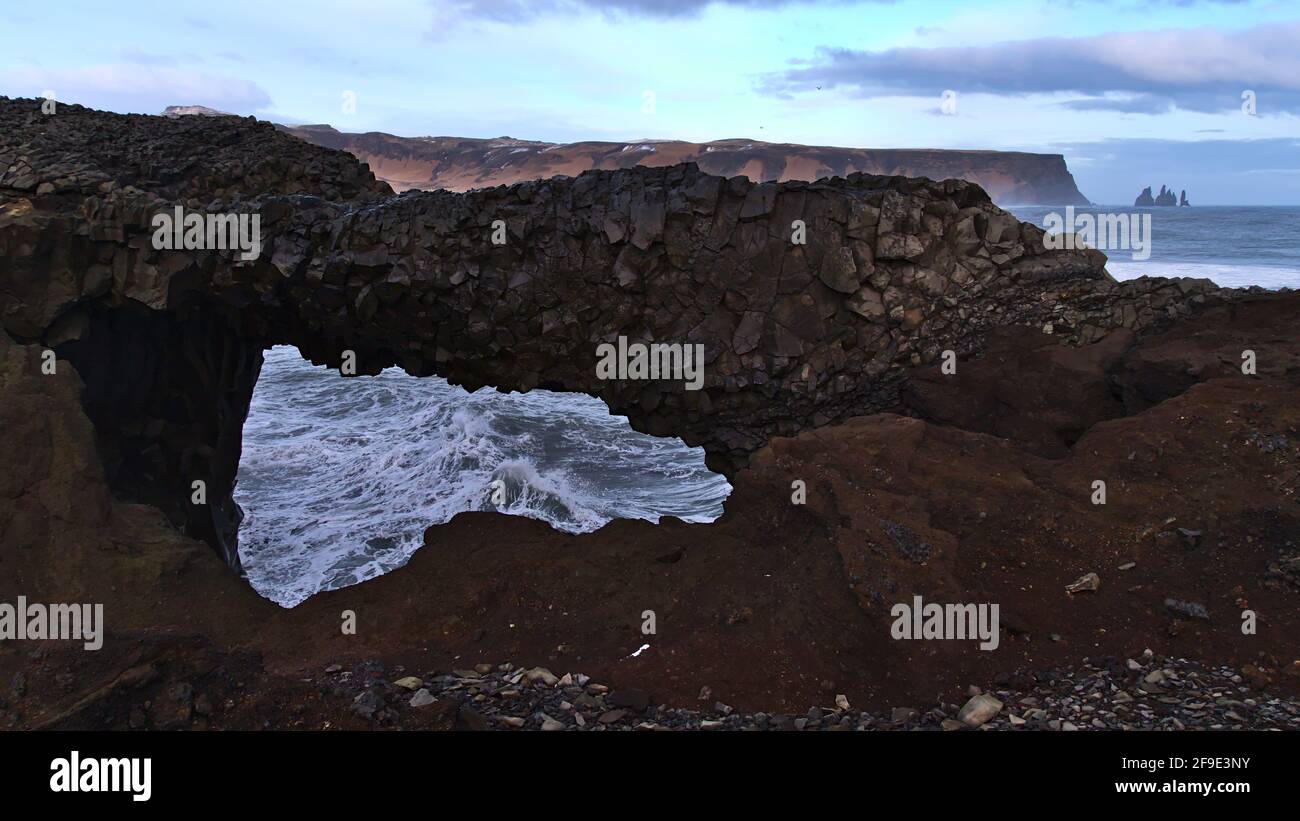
(1233,246)
(1223,275)
(340,478)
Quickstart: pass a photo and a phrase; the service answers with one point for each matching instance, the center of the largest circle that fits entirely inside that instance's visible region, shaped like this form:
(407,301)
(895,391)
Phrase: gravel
(1145,693)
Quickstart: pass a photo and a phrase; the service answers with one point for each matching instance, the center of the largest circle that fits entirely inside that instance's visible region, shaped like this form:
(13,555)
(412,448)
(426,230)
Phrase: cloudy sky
(1132,92)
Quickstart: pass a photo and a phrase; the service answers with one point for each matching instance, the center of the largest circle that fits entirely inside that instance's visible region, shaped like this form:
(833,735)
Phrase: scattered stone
(979,710)
(409,683)
(367,704)
(1167,524)
(1087,583)
(543,675)
(1148,692)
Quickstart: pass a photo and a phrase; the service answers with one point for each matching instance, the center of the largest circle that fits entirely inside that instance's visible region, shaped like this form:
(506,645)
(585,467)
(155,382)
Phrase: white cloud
(136,87)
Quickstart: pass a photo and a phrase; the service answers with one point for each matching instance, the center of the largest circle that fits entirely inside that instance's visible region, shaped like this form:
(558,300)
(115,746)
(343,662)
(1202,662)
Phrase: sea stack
(1165,197)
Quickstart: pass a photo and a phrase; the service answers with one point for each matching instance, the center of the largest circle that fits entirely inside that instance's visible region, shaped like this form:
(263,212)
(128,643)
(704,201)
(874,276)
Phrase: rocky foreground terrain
(824,368)
(1145,693)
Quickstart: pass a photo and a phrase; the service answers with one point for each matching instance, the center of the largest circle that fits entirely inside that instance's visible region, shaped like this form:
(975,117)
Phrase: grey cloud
(522,10)
(1137,104)
(1195,69)
(507,11)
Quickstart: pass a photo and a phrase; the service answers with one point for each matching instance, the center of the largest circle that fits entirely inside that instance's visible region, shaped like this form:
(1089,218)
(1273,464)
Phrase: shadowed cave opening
(339,477)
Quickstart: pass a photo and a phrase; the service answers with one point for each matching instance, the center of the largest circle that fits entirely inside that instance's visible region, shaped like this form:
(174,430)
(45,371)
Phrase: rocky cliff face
(115,312)
(459,164)
(157,353)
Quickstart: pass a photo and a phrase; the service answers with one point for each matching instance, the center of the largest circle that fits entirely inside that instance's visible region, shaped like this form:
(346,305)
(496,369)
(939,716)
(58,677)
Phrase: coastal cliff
(823,365)
(459,164)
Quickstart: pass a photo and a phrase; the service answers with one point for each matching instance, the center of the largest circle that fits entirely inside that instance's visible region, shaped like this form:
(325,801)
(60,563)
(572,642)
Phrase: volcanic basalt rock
(975,487)
(893,271)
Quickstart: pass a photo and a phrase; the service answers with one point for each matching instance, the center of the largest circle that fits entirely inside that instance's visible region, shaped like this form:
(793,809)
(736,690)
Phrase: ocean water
(340,477)
(1234,246)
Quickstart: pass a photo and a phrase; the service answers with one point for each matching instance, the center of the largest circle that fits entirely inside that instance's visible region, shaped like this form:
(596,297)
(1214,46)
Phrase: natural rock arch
(894,270)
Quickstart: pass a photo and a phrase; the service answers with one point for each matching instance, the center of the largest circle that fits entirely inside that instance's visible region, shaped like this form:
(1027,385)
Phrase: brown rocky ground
(775,606)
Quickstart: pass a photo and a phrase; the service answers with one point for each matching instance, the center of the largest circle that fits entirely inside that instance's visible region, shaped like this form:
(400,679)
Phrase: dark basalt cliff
(460,163)
(805,345)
